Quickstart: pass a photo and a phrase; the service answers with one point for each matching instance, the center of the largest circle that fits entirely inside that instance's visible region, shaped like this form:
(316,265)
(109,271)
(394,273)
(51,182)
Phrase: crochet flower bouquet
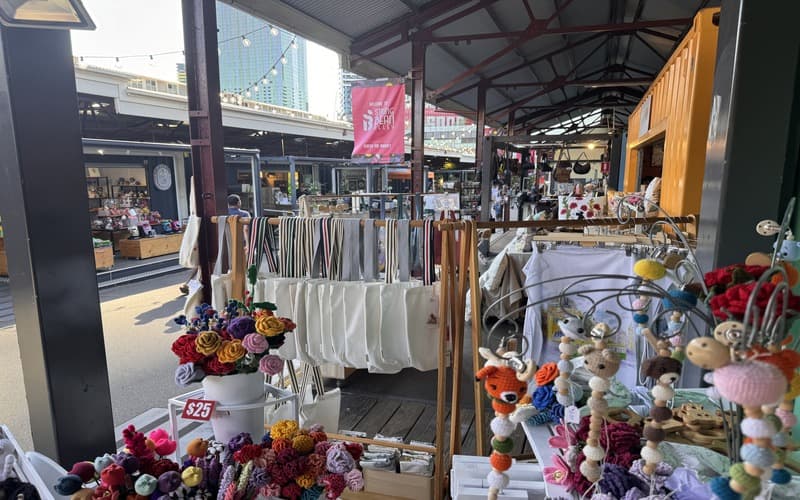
(236,340)
(288,462)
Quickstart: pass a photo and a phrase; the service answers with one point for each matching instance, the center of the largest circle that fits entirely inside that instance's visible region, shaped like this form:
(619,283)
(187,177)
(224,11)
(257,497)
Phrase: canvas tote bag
(221,276)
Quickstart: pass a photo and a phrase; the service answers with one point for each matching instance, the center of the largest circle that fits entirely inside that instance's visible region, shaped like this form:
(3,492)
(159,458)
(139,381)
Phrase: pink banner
(378,121)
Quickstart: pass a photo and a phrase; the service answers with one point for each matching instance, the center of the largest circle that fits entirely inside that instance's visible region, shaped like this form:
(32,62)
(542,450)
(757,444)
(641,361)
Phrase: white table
(537,437)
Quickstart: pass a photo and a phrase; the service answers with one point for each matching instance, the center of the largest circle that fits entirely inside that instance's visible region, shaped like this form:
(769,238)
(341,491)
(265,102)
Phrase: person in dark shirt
(235,206)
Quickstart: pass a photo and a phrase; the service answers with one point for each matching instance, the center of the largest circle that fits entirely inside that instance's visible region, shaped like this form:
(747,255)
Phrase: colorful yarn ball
(504,446)
(499,461)
(781,476)
(758,428)
(760,457)
(641,318)
(750,383)
(680,300)
(303,444)
(85,470)
(502,426)
(649,269)
(192,476)
(67,485)
(497,480)
(722,489)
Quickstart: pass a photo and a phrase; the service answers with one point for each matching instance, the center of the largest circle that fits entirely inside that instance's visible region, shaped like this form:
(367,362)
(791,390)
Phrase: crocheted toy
(571,329)
(603,364)
(505,378)
(664,371)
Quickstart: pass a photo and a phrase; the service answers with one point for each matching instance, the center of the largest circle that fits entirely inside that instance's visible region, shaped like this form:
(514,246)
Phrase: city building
(346,79)
(259,61)
(180,69)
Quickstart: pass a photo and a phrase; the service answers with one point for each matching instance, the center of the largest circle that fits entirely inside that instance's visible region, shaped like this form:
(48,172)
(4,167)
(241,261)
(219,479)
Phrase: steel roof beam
(636,82)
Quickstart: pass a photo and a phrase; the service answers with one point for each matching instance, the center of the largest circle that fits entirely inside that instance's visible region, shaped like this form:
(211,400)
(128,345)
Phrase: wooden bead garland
(571,329)
(603,364)
(664,371)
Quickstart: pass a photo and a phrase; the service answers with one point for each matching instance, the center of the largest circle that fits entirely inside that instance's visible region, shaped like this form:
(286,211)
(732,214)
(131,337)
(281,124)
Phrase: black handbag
(582,168)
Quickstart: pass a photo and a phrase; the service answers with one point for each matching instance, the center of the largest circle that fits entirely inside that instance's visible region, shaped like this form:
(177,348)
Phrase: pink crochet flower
(255,343)
(559,473)
(163,445)
(271,490)
(271,364)
(563,439)
(354,480)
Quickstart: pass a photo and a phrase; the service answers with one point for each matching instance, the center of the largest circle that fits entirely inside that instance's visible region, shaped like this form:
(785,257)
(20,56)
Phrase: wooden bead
(598,394)
(652,444)
(596,426)
(708,353)
(787,405)
(763,442)
(753,412)
(738,488)
(593,442)
(661,403)
(649,469)
(753,470)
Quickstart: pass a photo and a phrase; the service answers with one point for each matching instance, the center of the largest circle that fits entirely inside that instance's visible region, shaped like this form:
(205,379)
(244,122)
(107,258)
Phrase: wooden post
(441,380)
(475,303)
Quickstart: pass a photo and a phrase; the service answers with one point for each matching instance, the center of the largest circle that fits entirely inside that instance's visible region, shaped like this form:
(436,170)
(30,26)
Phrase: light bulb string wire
(267,74)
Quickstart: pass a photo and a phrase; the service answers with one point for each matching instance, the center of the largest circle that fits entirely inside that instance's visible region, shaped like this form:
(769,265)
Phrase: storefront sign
(198,409)
(378,121)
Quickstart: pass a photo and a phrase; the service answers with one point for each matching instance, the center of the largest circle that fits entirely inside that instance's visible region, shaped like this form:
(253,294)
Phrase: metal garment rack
(451,326)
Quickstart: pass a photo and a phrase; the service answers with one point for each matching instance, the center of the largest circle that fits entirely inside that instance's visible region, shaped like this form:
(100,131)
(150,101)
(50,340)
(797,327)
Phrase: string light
(274,71)
(245,41)
(283,60)
(294,44)
(255,88)
(264,81)
(273,30)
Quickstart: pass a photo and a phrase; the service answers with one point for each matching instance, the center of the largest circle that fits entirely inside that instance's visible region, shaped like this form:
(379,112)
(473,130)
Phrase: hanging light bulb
(264,81)
(247,93)
(273,30)
(117,64)
(255,88)
(294,44)
(152,61)
(274,71)
(283,59)
(245,41)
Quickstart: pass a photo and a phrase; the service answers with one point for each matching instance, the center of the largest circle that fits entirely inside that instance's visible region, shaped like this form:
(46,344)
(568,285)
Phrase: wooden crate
(144,248)
(103,257)
(383,485)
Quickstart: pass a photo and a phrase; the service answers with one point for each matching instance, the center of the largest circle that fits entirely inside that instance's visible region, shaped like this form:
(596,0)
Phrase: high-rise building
(250,61)
(180,69)
(346,80)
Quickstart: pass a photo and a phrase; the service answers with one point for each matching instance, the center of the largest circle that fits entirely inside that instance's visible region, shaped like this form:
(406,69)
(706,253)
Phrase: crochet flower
(240,326)
(317,464)
(616,480)
(266,459)
(271,364)
(239,441)
(247,453)
(355,450)
(208,343)
(162,444)
(283,429)
(564,438)
(339,459)
(306,480)
(255,343)
(303,443)
(269,326)
(188,373)
(271,490)
(558,473)
(286,456)
(288,324)
(216,367)
(184,348)
(334,486)
(543,397)
(658,479)
(276,341)
(318,436)
(322,447)
(113,476)
(292,491)
(280,444)
(734,300)
(546,374)
(231,351)
(354,480)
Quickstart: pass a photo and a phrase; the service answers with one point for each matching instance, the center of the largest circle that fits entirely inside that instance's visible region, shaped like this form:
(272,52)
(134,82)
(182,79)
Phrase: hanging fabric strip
(403,249)
(428,266)
(351,250)
(262,244)
(288,247)
(335,262)
(319,268)
(309,249)
(370,246)
(417,235)
(390,237)
(223,262)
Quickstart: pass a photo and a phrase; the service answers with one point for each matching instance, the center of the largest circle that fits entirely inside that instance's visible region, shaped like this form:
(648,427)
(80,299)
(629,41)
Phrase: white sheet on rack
(579,261)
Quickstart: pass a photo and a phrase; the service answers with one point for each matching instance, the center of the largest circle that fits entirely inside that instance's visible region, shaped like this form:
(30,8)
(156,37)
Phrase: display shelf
(143,248)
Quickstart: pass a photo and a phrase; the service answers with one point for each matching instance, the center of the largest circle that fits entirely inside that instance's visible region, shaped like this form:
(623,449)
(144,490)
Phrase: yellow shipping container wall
(676,109)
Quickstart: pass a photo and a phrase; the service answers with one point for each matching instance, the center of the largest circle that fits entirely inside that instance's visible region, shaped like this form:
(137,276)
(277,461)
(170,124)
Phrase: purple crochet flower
(339,459)
(617,481)
(127,461)
(241,326)
(259,477)
(543,397)
(662,473)
(188,373)
(239,440)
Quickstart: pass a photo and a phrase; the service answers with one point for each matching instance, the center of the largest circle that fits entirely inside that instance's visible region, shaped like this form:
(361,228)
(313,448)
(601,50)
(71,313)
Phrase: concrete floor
(137,321)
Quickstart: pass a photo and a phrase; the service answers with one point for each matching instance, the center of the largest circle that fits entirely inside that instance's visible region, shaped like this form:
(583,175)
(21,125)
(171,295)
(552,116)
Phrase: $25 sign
(198,409)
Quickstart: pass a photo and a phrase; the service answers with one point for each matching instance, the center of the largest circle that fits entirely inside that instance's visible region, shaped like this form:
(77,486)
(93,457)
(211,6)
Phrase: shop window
(652,162)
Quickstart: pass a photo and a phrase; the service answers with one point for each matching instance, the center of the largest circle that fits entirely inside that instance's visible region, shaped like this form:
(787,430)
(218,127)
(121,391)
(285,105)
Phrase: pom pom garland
(651,455)
(599,384)
(662,392)
(762,458)
(505,446)
(758,428)
(497,481)
(500,462)
(502,426)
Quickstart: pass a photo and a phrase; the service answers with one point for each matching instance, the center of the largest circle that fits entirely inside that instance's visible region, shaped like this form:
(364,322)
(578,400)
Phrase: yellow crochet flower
(192,476)
(231,351)
(208,343)
(285,429)
(269,326)
(303,444)
(306,480)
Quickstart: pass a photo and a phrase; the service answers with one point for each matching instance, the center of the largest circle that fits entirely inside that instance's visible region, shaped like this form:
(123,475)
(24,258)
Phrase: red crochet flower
(355,450)
(247,452)
(288,324)
(316,464)
(318,436)
(281,444)
(334,486)
(214,366)
(725,276)
(161,466)
(291,491)
(184,348)
(573,205)
(735,299)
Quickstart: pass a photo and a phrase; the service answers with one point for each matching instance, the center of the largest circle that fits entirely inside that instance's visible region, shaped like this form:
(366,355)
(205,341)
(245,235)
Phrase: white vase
(239,389)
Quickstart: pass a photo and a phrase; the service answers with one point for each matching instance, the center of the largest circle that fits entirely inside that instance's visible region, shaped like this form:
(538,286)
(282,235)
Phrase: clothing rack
(451,325)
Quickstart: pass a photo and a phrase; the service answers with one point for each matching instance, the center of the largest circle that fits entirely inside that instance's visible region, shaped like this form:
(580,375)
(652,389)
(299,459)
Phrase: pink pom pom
(750,383)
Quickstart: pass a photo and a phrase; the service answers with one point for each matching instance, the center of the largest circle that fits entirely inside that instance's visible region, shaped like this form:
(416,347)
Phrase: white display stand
(538,435)
(273,396)
(468,480)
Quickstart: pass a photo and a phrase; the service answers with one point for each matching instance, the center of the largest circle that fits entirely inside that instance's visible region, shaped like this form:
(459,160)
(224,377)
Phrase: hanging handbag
(582,168)
(563,170)
(221,276)
(318,406)
(188,256)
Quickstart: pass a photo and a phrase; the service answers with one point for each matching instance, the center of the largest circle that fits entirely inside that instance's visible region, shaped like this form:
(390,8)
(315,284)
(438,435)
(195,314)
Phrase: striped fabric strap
(428,266)
(403,245)
(390,237)
(308,225)
(335,261)
(351,250)
(370,246)
(261,244)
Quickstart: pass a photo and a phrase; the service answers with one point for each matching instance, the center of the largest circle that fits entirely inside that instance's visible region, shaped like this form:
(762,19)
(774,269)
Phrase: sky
(145,27)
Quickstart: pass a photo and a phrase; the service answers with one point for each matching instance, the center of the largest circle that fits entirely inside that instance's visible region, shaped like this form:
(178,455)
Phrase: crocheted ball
(680,300)
(499,461)
(590,471)
(750,383)
(762,458)
(497,480)
(654,434)
(502,426)
(599,384)
(197,447)
(561,383)
(781,440)
(745,480)
(85,470)
(564,366)
(649,269)
(651,455)
(565,399)
(662,392)
(192,476)
(595,453)
(641,319)
(67,485)
(722,489)
(598,405)
(639,304)
(660,413)
(145,485)
(788,419)
(781,476)
(569,349)
(758,428)
(504,446)
(304,444)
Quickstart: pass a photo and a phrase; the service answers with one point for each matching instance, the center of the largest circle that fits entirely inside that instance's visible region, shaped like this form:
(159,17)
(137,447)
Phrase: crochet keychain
(505,377)
(603,364)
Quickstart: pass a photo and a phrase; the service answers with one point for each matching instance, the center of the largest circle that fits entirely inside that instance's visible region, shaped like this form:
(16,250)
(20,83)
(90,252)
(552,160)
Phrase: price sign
(198,409)
(572,415)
